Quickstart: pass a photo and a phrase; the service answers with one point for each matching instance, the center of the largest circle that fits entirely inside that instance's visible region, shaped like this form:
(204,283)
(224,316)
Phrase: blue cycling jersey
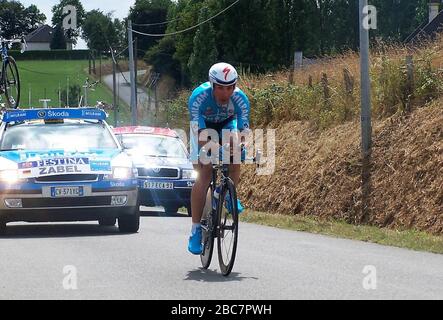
(203,107)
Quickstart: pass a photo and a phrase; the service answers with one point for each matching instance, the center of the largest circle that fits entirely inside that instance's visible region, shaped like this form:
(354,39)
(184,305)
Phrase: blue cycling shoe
(195,242)
(228,205)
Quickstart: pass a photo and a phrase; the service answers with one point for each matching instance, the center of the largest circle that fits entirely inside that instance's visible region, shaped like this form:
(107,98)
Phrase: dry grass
(327,93)
(318,173)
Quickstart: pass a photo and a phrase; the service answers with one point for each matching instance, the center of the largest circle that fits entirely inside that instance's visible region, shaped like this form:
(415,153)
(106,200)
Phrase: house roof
(43,33)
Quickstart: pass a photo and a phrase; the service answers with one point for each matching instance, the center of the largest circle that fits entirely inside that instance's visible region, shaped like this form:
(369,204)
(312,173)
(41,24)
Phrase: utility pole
(100,66)
(67,94)
(93,62)
(114,87)
(86,92)
(136,72)
(366,125)
(132,75)
(90,67)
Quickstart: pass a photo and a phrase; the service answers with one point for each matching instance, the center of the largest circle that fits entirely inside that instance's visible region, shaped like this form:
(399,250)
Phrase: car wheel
(171,209)
(129,223)
(2,227)
(107,222)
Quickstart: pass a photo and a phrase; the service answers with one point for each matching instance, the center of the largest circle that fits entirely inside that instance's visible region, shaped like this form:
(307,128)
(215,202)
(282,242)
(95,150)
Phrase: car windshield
(67,136)
(155,146)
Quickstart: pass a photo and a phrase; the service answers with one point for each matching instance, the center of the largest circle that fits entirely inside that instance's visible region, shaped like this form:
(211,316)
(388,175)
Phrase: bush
(51,55)
(326,101)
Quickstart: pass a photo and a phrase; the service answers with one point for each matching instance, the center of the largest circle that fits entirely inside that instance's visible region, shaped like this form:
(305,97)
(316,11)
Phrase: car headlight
(9,176)
(189,174)
(122,173)
(122,168)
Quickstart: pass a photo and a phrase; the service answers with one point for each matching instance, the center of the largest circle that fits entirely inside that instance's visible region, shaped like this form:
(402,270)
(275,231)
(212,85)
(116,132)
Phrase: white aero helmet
(223,74)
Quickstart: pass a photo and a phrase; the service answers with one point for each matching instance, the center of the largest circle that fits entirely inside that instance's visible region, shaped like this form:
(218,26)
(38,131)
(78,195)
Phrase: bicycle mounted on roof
(9,75)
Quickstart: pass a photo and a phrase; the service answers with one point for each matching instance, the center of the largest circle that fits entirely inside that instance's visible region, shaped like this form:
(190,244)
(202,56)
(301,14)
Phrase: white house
(40,39)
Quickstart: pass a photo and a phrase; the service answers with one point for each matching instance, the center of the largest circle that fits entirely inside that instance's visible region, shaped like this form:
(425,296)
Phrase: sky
(119,8)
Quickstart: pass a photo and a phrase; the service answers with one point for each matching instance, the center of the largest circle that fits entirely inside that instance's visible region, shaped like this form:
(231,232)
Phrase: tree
(186,13)
(100,31)
(16,20)
(152,12)
(397,19)
(58,17)
(161,57)
(205,52)
(263,34)
(58,40)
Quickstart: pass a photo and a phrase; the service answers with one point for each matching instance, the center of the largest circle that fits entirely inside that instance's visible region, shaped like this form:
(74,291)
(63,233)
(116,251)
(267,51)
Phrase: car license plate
(159,185)
(66,192)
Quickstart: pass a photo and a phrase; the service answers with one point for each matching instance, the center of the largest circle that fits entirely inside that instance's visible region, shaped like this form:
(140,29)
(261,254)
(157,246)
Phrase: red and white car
(165,173)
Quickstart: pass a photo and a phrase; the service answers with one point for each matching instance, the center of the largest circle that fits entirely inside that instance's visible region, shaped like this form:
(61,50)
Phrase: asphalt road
(124,88)
(85,261)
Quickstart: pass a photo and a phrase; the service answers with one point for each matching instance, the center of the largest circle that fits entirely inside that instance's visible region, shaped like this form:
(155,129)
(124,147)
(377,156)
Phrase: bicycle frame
(4,50)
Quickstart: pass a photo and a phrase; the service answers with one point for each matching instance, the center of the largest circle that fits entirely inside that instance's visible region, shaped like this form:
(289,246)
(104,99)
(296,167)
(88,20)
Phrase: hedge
(50,55)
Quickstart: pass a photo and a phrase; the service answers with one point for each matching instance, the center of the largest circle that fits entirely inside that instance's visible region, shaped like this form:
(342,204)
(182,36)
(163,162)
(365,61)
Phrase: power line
(188,29)
(155,24)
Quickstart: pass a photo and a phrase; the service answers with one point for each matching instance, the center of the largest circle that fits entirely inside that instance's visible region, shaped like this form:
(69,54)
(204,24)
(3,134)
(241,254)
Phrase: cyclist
(219,105)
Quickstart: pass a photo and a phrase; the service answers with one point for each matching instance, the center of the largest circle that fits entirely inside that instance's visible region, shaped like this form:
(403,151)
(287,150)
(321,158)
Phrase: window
(155,146)
(66,136)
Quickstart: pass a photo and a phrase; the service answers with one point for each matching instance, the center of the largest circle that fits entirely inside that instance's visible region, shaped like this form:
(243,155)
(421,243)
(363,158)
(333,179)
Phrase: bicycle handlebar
(22,40)
(256,159)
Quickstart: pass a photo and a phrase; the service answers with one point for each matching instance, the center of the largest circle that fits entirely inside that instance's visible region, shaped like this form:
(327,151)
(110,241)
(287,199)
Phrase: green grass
(410,239)
(44,78)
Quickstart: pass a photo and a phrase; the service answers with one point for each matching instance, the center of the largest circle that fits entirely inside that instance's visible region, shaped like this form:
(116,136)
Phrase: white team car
(65,165)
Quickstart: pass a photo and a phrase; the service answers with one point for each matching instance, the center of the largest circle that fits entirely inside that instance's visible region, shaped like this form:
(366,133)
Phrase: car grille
(66,202)
(68,178)
(170,173)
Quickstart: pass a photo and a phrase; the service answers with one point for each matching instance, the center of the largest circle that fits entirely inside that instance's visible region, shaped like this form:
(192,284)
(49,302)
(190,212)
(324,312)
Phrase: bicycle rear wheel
(12,83)
(228,228)
(208,231)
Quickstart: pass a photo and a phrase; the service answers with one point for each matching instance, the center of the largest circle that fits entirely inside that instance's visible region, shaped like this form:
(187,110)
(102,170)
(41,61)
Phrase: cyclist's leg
(229,134)
(198,195)
(234,168)
(204,176)
(198,199)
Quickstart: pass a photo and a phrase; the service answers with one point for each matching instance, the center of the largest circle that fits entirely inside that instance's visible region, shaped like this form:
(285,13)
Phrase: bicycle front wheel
(228,228)
(12,83)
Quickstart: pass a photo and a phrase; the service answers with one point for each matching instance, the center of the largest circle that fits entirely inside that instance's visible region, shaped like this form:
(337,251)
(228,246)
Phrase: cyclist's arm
(242,110)
(198,123)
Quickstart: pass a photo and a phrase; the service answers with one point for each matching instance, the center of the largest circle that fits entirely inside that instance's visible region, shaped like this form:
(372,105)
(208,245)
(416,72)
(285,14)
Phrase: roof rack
(84,113)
